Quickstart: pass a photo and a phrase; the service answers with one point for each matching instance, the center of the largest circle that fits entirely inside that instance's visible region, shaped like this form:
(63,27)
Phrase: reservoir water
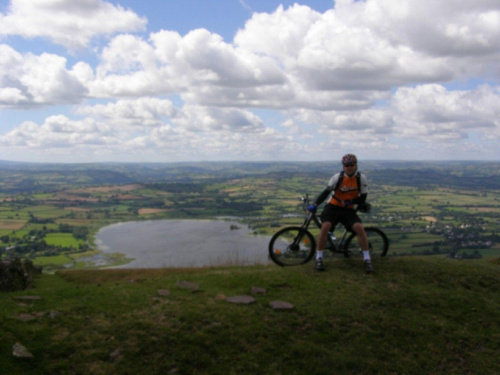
(183,243)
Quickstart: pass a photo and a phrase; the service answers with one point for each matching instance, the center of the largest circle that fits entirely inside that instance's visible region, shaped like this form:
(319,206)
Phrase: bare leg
(362,239)
(323,235)
(363,243)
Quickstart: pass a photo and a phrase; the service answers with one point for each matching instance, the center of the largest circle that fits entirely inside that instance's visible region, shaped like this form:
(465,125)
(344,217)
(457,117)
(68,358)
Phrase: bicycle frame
(294,245)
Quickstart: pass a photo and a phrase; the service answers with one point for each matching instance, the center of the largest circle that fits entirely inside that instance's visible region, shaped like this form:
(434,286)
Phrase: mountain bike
(294,245)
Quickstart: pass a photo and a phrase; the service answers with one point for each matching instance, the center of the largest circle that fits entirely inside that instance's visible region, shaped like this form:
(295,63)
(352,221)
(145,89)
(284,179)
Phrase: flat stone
(20,351)
(187,285)
(281,305)
(258,290)
(245,300)
(163,292)
(26,317)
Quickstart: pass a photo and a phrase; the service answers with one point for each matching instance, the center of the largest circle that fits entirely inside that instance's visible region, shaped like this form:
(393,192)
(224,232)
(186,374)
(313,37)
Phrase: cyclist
(343,195)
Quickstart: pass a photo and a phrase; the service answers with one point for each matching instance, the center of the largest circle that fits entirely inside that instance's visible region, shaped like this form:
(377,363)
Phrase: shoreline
(205,242)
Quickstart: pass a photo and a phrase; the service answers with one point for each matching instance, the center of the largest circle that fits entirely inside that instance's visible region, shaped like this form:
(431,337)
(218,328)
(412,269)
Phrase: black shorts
(335,214)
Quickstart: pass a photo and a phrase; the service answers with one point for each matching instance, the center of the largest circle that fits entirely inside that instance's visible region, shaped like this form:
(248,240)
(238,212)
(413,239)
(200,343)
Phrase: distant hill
(18,177)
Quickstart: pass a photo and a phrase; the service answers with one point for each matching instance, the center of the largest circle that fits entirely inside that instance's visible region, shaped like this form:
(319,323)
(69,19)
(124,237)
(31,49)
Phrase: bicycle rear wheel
(292,246)
(377,242)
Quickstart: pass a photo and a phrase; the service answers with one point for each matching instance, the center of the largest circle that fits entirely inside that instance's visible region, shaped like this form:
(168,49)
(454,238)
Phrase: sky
(249,80)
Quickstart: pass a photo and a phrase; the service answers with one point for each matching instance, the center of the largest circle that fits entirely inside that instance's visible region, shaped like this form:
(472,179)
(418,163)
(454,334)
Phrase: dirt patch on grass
(432,219)
(486,209)
(77,209)
(148,211)
(12,225)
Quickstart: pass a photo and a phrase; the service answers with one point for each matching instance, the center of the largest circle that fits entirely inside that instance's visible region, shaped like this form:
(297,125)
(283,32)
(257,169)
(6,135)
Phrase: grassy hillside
(417,315)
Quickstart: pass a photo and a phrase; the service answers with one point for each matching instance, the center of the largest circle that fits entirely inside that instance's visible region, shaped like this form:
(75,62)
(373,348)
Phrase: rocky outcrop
(17,274)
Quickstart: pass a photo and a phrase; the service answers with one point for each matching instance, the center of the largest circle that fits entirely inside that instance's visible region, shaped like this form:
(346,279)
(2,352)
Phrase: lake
(183,243)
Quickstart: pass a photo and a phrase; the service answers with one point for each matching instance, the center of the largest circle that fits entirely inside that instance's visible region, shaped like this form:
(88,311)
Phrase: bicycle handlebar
(306,201)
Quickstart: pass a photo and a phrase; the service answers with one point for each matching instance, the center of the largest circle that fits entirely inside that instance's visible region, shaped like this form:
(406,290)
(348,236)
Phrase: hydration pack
(341,178)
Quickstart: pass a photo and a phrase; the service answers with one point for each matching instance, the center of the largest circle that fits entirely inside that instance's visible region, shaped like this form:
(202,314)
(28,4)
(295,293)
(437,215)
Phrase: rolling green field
(418,218)
(63,240)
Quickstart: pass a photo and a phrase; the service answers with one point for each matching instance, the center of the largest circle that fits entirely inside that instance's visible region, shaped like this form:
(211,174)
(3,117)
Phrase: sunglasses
(349,164)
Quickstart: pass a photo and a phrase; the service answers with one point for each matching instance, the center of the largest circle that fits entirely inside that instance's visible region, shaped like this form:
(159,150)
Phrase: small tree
(80,233)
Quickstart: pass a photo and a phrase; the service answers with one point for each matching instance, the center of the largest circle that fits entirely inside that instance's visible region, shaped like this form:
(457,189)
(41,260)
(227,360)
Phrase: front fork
(304,228)
(305,225)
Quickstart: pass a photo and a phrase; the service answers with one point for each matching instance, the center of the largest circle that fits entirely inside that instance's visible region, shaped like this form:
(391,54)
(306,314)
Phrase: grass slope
(413,316)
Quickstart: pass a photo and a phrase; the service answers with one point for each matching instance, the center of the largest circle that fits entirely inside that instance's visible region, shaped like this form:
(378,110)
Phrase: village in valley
(50,213)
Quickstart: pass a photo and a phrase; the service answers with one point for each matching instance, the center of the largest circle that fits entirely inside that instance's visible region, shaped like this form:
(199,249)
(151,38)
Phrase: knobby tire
(284,252)
(377,241)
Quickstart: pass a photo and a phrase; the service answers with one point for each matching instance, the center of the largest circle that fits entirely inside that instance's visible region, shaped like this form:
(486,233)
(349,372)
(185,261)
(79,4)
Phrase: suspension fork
(305,225)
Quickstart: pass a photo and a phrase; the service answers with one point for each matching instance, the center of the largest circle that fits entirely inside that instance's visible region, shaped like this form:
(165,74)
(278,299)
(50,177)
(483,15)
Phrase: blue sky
(223,17)
(162,81)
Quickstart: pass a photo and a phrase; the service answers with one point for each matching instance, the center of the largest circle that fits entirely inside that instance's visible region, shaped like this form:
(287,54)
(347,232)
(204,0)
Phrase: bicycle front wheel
(292,246)
(377,243)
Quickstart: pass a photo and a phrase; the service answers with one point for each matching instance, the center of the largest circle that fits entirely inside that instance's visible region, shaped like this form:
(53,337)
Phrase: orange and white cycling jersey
(348,188)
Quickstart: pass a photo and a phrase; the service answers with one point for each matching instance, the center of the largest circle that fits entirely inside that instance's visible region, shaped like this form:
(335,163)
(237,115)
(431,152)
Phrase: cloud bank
(384,78)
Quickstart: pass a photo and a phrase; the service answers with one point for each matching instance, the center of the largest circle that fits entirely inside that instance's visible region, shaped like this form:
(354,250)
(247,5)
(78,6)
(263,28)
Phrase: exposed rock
(280,305)
(163,292)
(16,274)
(258,290)
(187,285)
(245,300)
(20,351)
(26,317)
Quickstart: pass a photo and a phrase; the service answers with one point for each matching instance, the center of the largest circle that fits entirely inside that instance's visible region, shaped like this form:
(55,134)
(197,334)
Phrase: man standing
(344,190)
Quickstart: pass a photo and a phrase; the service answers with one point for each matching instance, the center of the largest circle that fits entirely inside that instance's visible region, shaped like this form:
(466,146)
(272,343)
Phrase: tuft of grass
(413,316)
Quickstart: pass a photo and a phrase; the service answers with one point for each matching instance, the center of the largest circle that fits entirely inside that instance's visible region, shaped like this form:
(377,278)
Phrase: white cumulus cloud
(70,23)
(28,79)
(385,76)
